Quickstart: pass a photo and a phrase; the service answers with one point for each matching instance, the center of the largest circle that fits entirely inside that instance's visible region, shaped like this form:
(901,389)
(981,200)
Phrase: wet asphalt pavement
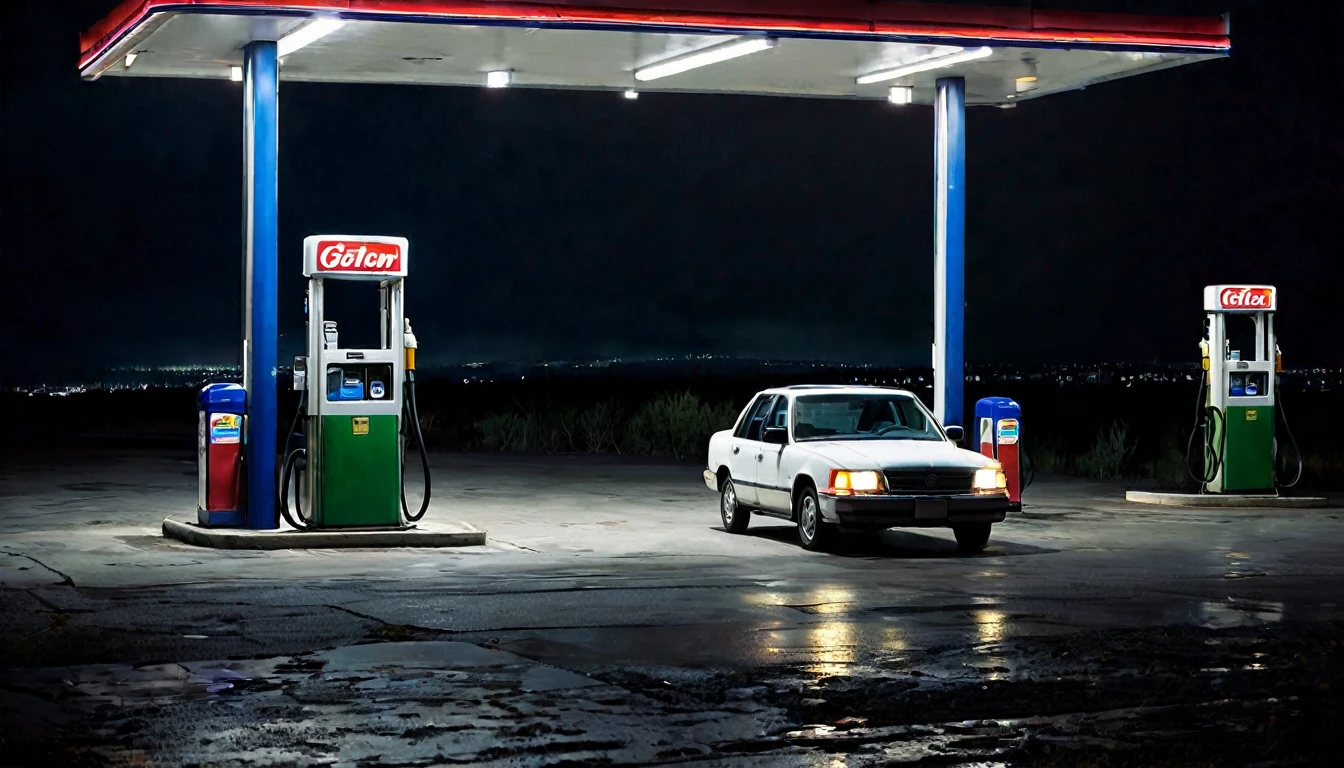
(611,622)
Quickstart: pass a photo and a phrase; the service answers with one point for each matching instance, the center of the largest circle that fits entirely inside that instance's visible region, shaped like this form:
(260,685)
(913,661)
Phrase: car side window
(779,415)
(751,426)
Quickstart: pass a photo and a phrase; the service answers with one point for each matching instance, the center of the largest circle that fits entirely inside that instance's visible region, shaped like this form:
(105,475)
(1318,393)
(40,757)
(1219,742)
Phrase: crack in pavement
(65,580)
(497,540)
(385,622)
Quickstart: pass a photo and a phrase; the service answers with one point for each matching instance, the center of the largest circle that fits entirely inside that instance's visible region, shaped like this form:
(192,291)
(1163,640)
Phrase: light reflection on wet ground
(447,702)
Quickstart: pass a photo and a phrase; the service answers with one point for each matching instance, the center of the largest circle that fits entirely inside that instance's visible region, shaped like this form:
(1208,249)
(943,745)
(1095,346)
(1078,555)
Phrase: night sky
(551,224)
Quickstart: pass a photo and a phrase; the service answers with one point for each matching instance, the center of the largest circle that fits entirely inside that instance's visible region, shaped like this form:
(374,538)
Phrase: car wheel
(972,537)
(814,533)
(735,517)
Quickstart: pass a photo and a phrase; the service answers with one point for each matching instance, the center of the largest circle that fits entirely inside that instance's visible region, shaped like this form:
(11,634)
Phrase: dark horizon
(747,226)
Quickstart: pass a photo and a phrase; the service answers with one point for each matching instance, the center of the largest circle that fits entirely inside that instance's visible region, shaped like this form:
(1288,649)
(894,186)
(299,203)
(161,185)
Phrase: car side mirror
(777,436)
(955,434)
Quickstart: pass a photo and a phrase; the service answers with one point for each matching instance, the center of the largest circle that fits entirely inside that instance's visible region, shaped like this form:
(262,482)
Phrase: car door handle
(737,449)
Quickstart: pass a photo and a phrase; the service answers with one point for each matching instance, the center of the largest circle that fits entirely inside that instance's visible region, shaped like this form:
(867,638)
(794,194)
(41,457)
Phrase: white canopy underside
(200,45)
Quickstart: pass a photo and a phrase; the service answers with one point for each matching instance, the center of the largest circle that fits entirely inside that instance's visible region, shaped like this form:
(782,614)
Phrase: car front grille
(929,482)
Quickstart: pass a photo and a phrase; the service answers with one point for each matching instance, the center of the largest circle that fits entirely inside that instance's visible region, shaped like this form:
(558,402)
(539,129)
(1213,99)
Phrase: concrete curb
(442,535)
(1227,501)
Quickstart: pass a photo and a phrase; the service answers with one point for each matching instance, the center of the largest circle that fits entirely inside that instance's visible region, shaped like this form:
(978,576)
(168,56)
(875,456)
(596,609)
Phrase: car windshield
(862,417)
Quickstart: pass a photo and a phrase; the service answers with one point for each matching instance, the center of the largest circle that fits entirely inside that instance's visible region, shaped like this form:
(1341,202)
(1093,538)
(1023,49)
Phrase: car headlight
(990,480)
(845,482)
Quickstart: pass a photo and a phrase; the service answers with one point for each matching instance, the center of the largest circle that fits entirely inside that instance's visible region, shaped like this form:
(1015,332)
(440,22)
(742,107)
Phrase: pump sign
(336,256)
(1247,298)
(357,258)
(1241,298)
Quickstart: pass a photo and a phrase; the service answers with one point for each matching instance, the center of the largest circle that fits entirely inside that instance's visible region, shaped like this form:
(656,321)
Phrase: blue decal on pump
(376,390)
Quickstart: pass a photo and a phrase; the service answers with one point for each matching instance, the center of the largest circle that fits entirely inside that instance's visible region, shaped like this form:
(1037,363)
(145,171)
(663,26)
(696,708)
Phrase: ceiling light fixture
(236,74)
(500,78)
(130,59)
(926,63)
(632,94)
(714,54)
(306,35)
(902,94)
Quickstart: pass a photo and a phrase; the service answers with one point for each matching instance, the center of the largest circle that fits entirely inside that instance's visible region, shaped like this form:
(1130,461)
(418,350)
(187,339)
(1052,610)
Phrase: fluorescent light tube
(306,35)
(926,63)
(714,54)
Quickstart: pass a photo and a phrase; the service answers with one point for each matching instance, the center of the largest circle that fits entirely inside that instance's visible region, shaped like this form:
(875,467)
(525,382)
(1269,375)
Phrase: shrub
(672,425)
(1050,456)
(1169,468)
(502,431)
(599,427)
(1110,453)
(668,425)
(1320,470)
(677,426)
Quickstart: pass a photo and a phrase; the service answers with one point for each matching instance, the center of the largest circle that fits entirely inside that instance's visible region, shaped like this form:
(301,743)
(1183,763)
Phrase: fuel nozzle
(411,344)
(1278,358)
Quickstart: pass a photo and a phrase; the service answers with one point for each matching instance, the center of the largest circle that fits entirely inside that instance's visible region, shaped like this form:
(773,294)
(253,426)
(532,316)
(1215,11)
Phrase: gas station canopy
(948,55)
(840,48)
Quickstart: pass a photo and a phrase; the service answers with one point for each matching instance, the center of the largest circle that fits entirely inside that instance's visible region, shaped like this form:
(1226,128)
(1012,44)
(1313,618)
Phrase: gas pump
(358,405)
(999,420)
(1239,393)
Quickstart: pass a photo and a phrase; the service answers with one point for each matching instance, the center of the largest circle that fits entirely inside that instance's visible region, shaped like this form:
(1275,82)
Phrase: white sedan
(832,458)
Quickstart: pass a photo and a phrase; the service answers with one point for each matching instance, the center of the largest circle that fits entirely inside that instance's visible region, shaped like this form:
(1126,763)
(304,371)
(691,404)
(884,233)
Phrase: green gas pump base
(1244,448)
(357,472)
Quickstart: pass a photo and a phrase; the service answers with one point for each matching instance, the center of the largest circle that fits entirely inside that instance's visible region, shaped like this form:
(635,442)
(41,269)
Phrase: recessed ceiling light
(500,78)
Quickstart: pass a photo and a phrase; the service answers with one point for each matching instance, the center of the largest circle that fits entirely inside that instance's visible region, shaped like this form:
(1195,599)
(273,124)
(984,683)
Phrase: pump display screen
(1251,384)
(359,382)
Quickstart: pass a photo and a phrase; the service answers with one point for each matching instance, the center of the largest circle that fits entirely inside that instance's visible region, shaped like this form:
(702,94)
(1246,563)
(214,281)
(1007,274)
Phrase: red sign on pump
(342,256)
(1233,297)
(358,258)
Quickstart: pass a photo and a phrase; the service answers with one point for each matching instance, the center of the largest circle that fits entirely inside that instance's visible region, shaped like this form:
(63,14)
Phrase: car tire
(814,533)
(971,537)
(735,517)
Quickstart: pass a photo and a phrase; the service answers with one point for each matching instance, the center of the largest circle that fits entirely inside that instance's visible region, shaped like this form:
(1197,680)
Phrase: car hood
(888,454)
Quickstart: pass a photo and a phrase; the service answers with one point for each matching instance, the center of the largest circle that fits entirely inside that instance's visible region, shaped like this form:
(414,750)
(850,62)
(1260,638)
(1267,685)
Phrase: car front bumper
(913,511)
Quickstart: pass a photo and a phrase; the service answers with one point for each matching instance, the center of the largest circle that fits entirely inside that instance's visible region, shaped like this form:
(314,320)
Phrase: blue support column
(261,138)
(949,271)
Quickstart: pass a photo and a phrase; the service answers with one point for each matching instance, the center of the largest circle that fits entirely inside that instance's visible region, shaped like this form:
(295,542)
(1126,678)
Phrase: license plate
(930,509)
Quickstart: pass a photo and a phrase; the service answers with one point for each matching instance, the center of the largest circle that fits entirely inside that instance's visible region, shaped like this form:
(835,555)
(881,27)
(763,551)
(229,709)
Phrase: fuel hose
(1205,415)
(292,458)
(413,418)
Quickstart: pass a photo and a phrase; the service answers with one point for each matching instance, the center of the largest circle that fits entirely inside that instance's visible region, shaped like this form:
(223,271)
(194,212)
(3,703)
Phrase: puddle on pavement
(843,693)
